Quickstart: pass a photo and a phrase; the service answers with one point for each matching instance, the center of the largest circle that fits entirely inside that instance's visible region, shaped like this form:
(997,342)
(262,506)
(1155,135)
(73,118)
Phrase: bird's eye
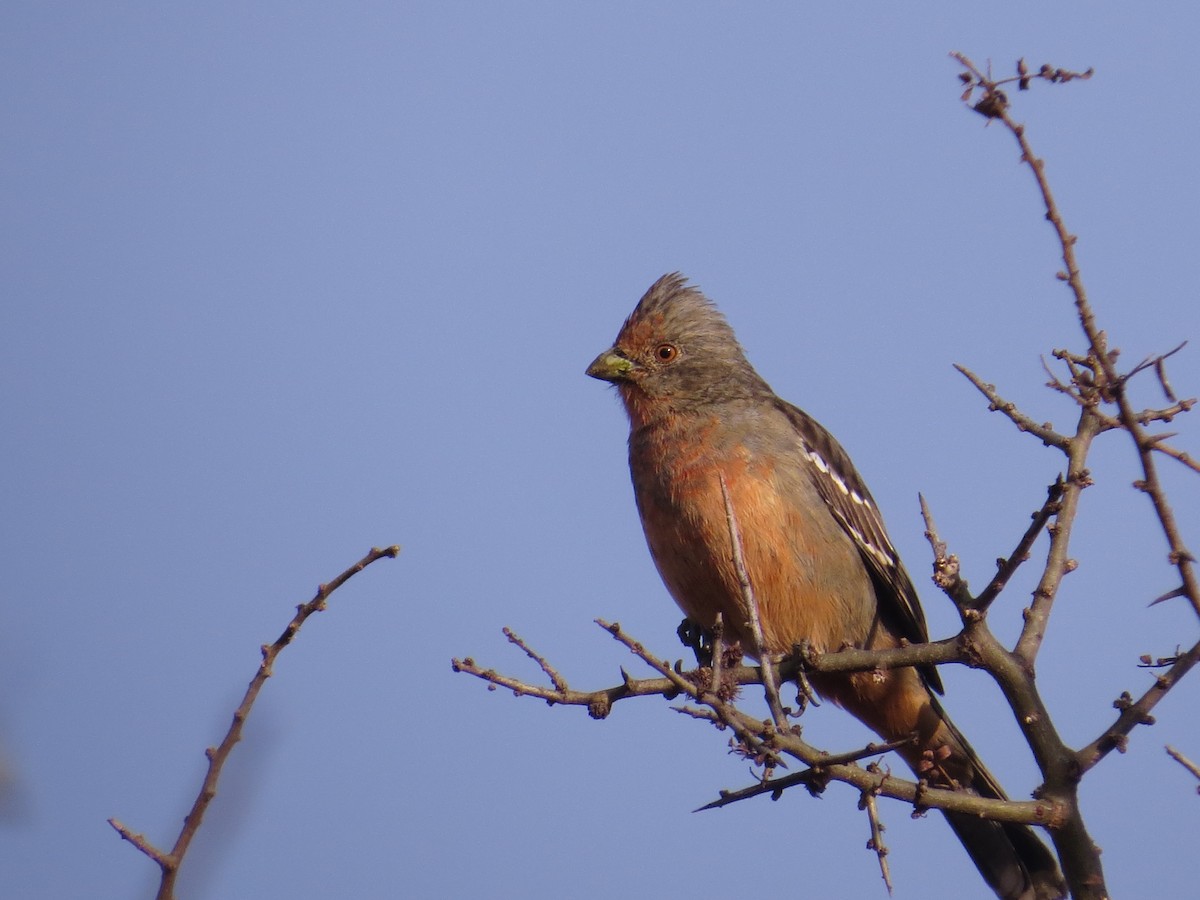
(666,352)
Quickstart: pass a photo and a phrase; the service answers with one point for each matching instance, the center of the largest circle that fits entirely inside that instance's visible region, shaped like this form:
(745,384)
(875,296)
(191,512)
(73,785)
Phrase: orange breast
(807,577)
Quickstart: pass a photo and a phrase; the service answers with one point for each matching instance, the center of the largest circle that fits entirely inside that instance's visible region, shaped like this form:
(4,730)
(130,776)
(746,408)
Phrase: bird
(708,438)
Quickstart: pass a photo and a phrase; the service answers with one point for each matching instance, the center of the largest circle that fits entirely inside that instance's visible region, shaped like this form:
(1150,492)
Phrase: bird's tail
(1012,859)
(897,704)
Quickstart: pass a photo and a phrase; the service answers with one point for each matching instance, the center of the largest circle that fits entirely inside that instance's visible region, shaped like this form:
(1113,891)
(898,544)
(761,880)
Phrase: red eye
(666,352)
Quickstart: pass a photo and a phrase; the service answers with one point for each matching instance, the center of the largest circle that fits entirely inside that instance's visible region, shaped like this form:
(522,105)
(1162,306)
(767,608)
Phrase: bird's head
(674,352)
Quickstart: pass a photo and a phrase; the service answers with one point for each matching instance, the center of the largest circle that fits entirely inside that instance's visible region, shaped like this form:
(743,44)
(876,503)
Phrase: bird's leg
(699,640)
(805,695)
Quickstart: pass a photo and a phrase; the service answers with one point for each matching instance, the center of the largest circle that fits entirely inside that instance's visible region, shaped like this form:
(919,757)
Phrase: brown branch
(1007,567)
(996,107)
(1022,79)
(143,843)
(1157,442)
(978,647)
(1179,555)
(598,703)
(1058,560)
(1013,675)
(1095,381)
(852,659)
(217,756)
(1134,713)
(920,795)
(805,658)
(945,566)
(551,672)
(872,749)
(1076,850)
(1178,456)
(1158,363)
(1109,383)
(996,403)
(1166,413)
(762,740)
(875,843)
(1185,762)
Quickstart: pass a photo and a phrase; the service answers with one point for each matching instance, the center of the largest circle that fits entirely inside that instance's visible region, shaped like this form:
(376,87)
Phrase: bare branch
(217,756)
(766,743)
(1159,364)
(1109,384)
(551,673)
(945,567)
(1006,568)
(1058,559)
(598,703)
(920,795)
(1185,762)
(1046,432)
(164,860)
(852,659)
(1135,713)
(1179,456)
(867,802)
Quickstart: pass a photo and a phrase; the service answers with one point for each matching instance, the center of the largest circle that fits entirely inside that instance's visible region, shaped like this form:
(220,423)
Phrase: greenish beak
(611,365)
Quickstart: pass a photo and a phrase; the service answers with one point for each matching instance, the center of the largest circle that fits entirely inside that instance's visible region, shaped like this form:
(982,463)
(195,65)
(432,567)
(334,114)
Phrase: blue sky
(285,281)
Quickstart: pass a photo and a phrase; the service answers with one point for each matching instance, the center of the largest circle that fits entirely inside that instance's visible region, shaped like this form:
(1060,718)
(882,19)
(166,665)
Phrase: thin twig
(1028,812)
(1046,432)
(555,679)
(872,749)
(217,756)
(1158,363)
(598,703)
(753,733)
(765,742)
(770,688)
(867,802)
(1008,567)
(140,841)
(946,568)
(1183,761)
(1096,381)
(1110,383)
(1179,456)
(1135,712)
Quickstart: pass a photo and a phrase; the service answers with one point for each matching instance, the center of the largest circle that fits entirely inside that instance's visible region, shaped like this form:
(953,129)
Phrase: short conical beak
(611,365)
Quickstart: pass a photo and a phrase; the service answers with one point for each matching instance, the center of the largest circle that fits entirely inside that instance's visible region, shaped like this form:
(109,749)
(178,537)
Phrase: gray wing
(843,489)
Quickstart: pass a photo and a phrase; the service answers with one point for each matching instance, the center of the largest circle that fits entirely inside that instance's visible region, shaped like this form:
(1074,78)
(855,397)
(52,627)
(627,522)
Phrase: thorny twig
(867,802)
(762,740)
(1109,385)
(170,861)
(1094,383)
(1099,392)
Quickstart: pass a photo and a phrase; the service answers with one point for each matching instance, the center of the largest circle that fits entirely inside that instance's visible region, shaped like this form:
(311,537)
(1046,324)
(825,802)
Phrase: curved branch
(169,862)
(766,742)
